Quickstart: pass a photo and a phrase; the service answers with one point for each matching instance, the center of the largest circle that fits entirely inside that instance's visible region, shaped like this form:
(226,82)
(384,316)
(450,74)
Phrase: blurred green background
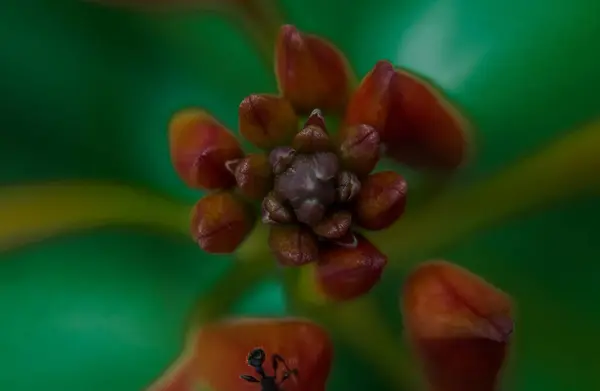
(87,92)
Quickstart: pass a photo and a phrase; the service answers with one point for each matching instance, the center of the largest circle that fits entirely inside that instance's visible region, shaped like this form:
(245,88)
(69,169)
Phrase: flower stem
(360,325)
(566,169)
(227,290)
(262,19)
(33,212)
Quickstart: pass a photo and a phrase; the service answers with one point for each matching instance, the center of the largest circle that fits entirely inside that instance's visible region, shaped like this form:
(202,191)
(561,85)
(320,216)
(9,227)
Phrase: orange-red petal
(345,272)
(200,148)
(267,121)
(418,125)
(311,72)
(459,325)
(253,176)
(220,222)
(293,245)
(381,200)
(216,355)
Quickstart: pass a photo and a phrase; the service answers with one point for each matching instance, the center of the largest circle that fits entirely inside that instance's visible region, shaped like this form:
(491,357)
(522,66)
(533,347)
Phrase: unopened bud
(348,186)
(280,159)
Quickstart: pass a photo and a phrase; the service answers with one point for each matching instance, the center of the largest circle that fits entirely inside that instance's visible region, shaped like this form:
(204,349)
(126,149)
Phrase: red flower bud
(293,245)
(220,222)
(200,149)
(303,345)
(267,121)
(346,272)
(359,150)
(311,72)
(253,175)
(416,123)
(381,200)
(459,325)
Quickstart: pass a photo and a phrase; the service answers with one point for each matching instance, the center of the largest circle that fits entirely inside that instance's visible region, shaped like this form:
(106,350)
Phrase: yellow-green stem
(564,170)
(34,212)
(361,326)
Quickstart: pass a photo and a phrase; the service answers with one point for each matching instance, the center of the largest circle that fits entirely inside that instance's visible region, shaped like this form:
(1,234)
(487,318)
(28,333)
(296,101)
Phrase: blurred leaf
(261,18)
(36,211)
(566,169)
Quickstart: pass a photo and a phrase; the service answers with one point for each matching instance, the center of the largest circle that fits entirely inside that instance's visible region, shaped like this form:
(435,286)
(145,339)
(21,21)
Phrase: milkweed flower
(315,184)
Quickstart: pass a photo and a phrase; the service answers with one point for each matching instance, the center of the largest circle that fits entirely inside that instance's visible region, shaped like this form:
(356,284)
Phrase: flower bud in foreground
(253,176)
(200,149)
(267,121)
(216,355)
(220,223)
(381,200)
(311,72)
(418,126)
(345,272)
(459,325)
(293,245)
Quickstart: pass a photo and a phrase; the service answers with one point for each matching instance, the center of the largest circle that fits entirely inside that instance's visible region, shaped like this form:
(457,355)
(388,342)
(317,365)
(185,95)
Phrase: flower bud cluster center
(307,182)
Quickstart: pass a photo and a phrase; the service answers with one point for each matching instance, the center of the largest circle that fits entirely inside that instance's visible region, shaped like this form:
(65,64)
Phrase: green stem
(567,169)
(227,291)
(34,212)
(360,325)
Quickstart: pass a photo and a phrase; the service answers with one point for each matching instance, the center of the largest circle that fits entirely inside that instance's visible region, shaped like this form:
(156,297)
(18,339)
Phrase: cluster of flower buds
(315,186)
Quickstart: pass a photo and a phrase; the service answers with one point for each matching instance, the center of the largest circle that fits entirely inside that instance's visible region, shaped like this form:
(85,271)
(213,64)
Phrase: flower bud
(381,200)
(280,159)
(220,222)
(267,121)
(316,119)
(304,345)
(371,103)
(459,325)
(345,273)
(359,150)
(312,139)
(253,176)
(311,72)
(418,125)
(335,225)
(293,245)
(274,212)
(348,186)
(200,149)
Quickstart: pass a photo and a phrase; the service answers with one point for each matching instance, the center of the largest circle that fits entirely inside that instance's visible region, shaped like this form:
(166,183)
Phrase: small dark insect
(255,359)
